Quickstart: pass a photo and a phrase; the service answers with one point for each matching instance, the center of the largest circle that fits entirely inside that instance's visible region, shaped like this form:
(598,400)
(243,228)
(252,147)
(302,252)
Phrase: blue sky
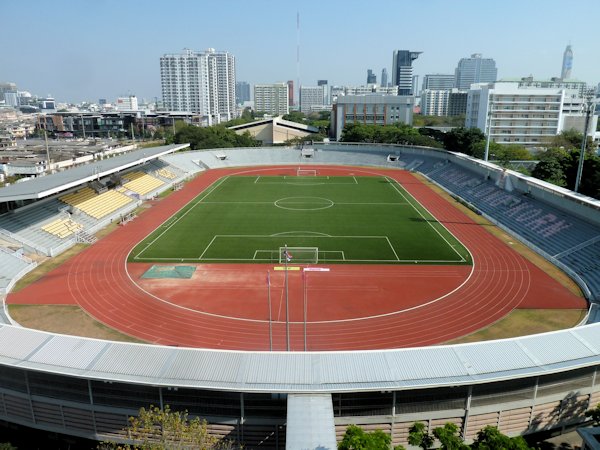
(88,49)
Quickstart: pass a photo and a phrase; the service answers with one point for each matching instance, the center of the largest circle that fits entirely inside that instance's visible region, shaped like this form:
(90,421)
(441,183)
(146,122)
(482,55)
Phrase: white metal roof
(44,186)
(299,372)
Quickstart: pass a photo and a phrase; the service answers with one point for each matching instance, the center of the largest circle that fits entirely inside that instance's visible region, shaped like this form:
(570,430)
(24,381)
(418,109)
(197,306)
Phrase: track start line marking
(316,269)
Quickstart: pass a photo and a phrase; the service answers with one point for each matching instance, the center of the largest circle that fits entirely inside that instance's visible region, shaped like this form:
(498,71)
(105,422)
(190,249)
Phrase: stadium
(268,326)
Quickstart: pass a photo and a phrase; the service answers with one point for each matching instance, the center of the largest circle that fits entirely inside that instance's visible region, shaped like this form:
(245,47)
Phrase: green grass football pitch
(245,219)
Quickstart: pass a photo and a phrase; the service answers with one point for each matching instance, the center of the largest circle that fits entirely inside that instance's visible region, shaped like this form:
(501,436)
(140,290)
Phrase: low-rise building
(276,130)
(370,109)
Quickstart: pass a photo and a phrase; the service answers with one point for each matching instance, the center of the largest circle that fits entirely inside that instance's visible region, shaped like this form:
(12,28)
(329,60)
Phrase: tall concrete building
(402,70)
(290,84)
(242,92)
(272,98)
(384,77)
(373,109)
(202,83)
(567,63)
(434,102)
(371,77)
(312,98)
(474,70)
(524,115)
(438,81)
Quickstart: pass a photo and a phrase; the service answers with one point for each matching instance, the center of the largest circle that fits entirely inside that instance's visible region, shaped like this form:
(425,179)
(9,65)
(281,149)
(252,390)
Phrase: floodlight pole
(489,128)
(287,302)
(270,313)
(589,105)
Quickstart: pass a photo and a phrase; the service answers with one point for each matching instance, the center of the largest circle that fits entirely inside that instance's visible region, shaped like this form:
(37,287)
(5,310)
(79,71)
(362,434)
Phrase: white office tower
(202,83)
(474,70)
(312,99)
(271,98)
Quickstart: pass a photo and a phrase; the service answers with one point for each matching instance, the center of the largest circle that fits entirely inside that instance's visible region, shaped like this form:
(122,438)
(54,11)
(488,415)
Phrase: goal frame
(306,172)
(299,255)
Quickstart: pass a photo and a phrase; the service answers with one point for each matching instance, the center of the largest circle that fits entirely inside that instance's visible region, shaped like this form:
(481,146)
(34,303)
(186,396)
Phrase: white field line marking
(392,247)
(389,261)
(257,178)
(209,244)
(393,183)
(206,193)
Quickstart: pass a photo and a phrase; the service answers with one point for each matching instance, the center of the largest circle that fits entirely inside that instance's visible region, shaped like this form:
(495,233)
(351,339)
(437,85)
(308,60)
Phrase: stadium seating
(62,227)
(96,205)
(10,265)
(141,183)
(564,236)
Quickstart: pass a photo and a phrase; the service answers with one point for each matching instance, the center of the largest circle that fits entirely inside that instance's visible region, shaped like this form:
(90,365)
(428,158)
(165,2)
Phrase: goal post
(298,255)
(306,172)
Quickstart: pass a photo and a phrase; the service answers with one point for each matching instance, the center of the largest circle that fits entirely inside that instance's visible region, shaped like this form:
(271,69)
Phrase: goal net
(298,255)
(306,172)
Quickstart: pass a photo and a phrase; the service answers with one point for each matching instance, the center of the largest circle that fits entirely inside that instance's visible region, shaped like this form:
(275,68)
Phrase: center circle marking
(304,203)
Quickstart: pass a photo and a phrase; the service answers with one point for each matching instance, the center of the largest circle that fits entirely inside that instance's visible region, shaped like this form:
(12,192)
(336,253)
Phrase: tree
(158,429)
(449,438)
(216,136)
(463,139)
(489,438)
(418,436)
(594,414)
(356,438)
(552,167)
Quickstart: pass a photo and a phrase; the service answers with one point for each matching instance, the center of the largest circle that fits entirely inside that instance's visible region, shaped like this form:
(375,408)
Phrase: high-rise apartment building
(271,98)
(242,92)
(311,98)
(434,102)
(567,63)
(290,84)
(384,77)
(474,70)
(7,87)
(438,81)
(402,70)
(524,115)
(371,77)
(202,83)
(325,85)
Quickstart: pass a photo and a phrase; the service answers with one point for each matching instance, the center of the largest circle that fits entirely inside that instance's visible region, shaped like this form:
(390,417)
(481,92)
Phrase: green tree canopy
(449,438)
(419,436)
(217,136)
(489,438)
(463,139)
(397,133)
(594,414)
(158,429)
(356,438)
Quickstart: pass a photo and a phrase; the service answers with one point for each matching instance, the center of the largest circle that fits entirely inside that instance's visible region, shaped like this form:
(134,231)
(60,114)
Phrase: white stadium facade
(88,388)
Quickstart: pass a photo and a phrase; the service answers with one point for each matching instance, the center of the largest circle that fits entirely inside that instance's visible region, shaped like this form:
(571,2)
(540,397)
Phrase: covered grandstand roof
(45,186)
(302,372)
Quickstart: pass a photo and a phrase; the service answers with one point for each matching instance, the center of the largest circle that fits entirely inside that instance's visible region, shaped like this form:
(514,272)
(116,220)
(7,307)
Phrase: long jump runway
(351,307)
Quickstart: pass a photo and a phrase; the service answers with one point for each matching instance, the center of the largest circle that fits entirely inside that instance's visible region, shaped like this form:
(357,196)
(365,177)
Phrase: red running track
(351,308)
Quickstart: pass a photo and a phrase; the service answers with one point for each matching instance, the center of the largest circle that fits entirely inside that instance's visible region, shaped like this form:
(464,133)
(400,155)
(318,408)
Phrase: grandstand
(87,387)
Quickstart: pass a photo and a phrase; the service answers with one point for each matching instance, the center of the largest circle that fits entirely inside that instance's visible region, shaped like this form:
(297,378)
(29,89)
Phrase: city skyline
(108,49)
